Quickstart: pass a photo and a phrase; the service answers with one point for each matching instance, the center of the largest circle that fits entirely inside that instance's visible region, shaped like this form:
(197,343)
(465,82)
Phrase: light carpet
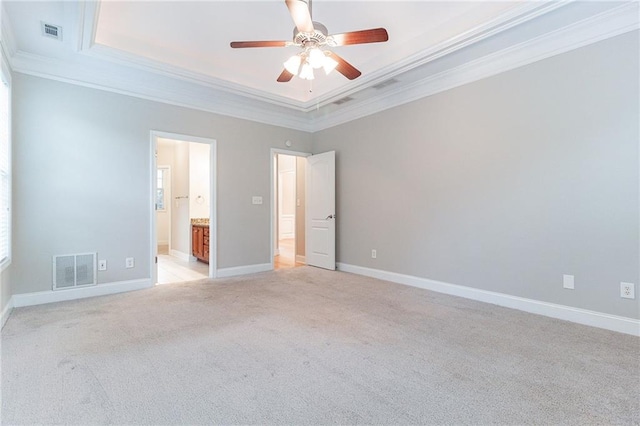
(308,346)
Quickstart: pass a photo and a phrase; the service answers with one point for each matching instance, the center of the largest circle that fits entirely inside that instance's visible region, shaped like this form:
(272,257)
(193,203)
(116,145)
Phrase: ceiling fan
(313,38)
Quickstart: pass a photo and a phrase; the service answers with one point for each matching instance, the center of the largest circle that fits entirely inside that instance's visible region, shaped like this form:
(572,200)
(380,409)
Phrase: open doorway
(288,210)
(184,209)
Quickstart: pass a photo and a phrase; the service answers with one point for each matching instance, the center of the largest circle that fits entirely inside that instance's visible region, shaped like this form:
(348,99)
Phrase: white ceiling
(196,36)
(179,51)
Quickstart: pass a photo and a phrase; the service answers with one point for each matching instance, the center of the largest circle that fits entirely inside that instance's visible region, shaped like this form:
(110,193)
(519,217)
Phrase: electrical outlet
(129,262)
(374,254)
(627,290)
(102,265)
(568,282)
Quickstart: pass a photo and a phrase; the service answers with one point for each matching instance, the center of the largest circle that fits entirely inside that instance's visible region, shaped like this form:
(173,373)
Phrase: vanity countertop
(200,221)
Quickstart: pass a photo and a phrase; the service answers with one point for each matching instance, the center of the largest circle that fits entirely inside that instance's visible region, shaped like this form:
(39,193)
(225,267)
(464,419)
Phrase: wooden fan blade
(266,43)
(285,76)
(301,15)
(345,68)
(375,35)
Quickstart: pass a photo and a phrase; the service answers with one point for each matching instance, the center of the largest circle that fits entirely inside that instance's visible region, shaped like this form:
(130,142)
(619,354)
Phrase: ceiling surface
(195,36)
(179,51)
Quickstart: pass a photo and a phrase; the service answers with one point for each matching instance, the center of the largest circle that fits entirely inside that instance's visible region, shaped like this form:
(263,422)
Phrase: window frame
(164,169)
(5,79)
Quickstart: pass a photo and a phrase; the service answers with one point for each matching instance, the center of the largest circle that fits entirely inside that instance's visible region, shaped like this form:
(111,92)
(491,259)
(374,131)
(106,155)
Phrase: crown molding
(151,86)
(89,17)
(505,21)
(107,69)
(132,61)
(591,30)
(4,64)
(6,33)
(7,44)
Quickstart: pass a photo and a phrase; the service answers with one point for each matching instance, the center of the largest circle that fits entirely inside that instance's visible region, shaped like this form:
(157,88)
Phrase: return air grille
(74,270)
(385,84)
(343,100)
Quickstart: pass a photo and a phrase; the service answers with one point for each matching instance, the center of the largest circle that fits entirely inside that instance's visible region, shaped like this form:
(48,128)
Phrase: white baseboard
(42,297)
(567,313)
(301,259)
(6,311)
(243,270)
(180,255)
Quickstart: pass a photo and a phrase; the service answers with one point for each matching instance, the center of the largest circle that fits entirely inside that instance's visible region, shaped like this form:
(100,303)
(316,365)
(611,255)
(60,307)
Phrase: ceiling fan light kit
(313,37)
(303,64)
(293,64)
(306,72)
(316,57)
(329,64)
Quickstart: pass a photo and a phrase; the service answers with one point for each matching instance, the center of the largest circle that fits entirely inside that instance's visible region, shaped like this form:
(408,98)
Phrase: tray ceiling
(182,46)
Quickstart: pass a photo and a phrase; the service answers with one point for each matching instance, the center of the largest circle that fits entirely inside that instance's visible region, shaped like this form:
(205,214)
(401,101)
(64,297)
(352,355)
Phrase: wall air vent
(385,84)
(74,270)
(52,31)
(343,100)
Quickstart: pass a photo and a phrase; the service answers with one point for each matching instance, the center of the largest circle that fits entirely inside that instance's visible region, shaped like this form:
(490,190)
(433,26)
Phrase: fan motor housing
(319,35)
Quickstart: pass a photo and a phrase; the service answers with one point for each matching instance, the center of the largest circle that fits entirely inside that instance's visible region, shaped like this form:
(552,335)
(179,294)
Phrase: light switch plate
(568,282)
(256,200)
(102,265)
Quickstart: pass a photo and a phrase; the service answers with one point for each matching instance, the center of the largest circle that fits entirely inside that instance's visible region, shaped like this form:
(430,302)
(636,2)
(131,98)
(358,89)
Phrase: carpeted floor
(307,346)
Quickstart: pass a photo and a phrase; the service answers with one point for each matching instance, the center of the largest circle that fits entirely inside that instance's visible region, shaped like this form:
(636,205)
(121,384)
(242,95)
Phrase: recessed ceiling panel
(195,36)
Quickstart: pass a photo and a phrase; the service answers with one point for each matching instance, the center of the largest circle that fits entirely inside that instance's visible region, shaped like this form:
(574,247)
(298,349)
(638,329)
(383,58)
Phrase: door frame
(273,205)
(213,210)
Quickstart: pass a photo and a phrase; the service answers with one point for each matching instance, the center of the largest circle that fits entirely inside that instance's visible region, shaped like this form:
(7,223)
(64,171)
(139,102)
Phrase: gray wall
(82,178)
(180,220)
(504,184)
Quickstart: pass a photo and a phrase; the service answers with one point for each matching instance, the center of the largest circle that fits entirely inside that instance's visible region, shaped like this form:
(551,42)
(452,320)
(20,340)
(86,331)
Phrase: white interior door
(321,210)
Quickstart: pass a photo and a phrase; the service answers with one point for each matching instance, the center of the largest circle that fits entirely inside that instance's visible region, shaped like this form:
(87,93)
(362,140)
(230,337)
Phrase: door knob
(331,216)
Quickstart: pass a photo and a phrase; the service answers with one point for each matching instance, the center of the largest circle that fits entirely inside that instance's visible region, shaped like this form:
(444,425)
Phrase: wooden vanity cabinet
(200,242)
(205,245)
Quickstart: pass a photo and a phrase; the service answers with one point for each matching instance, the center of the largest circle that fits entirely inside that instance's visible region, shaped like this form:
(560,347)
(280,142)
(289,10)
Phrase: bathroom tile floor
(172,270)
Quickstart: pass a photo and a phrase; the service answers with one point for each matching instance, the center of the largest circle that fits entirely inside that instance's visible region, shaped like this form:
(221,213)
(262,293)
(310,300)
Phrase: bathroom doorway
(184,208)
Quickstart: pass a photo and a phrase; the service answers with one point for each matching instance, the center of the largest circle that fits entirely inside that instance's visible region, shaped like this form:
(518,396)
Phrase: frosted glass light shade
(306,72)
(329,64)
(293,64)
(316,58)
